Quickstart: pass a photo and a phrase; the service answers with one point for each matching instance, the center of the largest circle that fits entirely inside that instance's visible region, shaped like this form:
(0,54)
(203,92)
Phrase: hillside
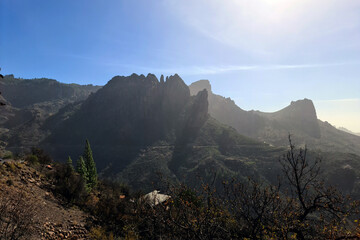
(148,134)
(299,119)
(139,126)
(29,102)
(142,128)
(40,201)
(25,92)
(37,212)
(348,131)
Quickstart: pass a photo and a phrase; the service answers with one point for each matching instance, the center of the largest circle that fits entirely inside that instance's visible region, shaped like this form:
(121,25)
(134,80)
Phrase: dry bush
(17,212)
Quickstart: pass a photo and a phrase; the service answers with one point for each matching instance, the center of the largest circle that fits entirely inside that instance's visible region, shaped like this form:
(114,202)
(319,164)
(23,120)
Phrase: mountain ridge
(299,118)
(139,126)
(16,90)
(29,102)
(348,131)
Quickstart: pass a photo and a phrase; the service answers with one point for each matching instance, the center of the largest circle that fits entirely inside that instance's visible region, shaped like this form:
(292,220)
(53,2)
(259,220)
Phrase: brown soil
(53,218)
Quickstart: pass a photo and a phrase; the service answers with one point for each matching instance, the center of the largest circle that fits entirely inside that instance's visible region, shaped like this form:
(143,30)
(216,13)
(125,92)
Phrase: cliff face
(299,119)
(299,116)
(226,111)
(139,127)
(134,110)
(195,117)
(131,113)
(200,85)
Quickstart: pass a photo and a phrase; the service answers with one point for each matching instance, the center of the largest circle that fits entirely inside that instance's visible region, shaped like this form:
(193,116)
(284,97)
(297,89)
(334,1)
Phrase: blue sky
(261,53)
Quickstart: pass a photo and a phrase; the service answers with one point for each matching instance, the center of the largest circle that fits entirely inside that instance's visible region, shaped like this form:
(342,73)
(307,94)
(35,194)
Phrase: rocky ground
(52,218)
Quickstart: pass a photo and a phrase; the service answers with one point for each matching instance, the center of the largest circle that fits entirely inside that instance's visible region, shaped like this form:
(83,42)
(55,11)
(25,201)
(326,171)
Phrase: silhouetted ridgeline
(29,102)
(139,127)
(299,119)
(24,92)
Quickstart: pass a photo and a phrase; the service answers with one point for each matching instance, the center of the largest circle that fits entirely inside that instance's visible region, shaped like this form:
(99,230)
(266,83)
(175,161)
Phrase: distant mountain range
(141,127)
(28,103)
(348,131)
(26,92)
(299,119)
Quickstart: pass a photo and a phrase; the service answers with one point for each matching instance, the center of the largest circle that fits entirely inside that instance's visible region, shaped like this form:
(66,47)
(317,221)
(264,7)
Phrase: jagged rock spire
(162,79)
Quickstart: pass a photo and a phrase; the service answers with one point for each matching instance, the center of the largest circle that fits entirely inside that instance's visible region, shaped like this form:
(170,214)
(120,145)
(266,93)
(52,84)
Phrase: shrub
(8,155)
(32,159)
(17,212)
(11,166)
(43,157)
(69,184)
(99,233)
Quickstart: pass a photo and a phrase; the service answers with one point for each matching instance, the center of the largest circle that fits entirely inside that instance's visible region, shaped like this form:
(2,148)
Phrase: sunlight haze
(263,53)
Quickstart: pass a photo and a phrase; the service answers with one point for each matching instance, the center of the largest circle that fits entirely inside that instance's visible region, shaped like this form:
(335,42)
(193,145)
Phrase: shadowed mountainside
(299,119)
(139,126)
(28,103)
(25,92)
(348,131)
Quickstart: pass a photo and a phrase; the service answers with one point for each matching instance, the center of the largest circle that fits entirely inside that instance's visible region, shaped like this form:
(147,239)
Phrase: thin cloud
(344,100)
(205,70)
(211,70)
(294,66)
(231,68)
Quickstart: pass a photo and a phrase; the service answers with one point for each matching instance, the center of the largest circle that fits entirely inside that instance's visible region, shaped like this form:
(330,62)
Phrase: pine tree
(70,163)
(81,168)
(90,166)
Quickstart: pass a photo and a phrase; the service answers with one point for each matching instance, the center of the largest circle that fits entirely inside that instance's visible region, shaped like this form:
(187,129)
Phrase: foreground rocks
(50,218)
(69,230)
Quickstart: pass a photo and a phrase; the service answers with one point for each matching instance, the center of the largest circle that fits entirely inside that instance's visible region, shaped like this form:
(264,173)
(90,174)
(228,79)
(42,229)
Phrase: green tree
(81,168)
(90,166)
(70,163)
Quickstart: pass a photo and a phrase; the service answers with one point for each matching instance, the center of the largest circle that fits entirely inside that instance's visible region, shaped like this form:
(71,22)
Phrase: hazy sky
(261,53)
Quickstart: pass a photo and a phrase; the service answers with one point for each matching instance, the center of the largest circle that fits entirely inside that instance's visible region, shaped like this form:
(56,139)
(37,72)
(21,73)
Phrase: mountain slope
(29,102)
(226,111)
(348,131)
(25,92)
(139,126)
(43,213)
(299,119)
(299,116)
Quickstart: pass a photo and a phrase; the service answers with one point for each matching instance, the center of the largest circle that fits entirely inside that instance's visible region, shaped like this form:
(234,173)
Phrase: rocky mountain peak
(304,108)
(303,103)
(301,115)
(175,81)
(134,111)
(200,85)
(199,110)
